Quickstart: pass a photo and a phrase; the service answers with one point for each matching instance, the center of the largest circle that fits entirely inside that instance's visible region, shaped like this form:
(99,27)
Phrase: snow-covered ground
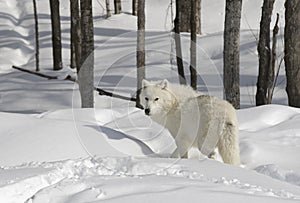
(53,151)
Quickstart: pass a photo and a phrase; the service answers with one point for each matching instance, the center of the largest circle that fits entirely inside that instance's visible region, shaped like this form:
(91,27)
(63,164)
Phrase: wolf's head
(156,97)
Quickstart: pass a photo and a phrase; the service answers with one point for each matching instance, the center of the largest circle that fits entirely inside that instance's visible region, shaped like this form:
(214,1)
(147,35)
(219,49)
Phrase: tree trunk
(185,15)
(75,34)
(108,13)
(265,76)
(86,73)
(193,52)
(140,49)
(292,51)
(37,46)
(56,34)
(134,7)
(273,61)
(198,16)
(118,6)
(231,52)
(180,66)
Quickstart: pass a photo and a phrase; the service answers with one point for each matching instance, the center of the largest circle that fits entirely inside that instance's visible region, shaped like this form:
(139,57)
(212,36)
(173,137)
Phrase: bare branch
(69,78)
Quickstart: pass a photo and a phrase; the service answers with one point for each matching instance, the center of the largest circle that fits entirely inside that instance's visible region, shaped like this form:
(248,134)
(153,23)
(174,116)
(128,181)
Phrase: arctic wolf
(197,122)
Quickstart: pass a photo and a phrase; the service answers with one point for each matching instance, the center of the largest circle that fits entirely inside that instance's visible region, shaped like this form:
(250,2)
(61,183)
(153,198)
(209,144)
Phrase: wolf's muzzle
(147,111)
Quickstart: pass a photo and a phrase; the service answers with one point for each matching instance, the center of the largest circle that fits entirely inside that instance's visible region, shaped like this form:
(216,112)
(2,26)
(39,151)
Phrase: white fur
(195,121)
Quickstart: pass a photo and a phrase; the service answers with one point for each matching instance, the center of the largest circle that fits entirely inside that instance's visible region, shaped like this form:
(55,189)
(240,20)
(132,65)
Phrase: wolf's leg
(213,155)
(228,145)
(183,145)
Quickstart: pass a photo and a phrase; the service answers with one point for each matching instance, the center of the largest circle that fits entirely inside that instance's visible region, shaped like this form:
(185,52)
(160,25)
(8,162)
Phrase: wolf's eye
(146,98)
(156,99)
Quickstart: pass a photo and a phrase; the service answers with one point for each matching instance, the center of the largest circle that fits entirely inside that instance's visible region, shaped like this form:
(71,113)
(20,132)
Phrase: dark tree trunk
(56,34)
(86,73)
(140,49)
(273,61)
(108,13)
(185,15)
(134,7)
(180,66)
(37,46)
(75,34)
(118,6)
(265,78)
(231,52)
(292,51)
(193,52)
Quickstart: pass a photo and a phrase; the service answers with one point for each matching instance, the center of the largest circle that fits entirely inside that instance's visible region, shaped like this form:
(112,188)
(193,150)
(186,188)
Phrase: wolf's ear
(164,84)
(145,83)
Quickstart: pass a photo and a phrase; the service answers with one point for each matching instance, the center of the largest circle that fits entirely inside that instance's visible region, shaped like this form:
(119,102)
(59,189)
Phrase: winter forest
(76,122)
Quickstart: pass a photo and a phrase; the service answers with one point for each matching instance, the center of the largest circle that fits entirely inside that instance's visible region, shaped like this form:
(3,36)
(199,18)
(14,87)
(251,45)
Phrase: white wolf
(195,121)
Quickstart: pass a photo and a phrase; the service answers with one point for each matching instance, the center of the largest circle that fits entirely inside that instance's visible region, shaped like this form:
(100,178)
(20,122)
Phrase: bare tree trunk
(140,49)
(108,13)
(231,52)
(134,7)
(273,61)
(37,46)
(185,16)
(118,6)
(264,80)
(180,66)
(56,34)
(72,36)
(292,51)
(198,16)
(193,52)
(75,34)
(86,73)
(78,42)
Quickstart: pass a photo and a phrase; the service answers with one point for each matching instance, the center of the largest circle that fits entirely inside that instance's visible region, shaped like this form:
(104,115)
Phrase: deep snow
(53,151)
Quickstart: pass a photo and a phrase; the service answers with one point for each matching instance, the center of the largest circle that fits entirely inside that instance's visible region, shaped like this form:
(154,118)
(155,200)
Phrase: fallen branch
(103,92)
(99,90)
(36,73)
(49,77)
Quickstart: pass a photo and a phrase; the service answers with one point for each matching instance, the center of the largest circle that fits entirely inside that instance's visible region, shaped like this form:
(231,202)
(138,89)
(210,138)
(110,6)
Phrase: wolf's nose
(147,111)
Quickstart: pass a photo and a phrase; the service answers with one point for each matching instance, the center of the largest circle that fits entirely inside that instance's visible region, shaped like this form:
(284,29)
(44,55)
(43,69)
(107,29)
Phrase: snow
(51,150)
(265,130)
(128,179)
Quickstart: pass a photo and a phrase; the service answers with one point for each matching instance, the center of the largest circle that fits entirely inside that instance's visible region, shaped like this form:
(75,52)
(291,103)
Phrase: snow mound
(262,117)
(113,179)
(270,134)
(280,174)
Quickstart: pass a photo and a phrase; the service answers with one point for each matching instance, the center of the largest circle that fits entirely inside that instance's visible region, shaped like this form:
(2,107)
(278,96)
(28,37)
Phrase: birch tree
(86,73)
(140,49)
(231,55)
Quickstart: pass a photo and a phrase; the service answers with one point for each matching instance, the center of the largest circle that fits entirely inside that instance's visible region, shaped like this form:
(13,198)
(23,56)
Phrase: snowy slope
(53,151)
(147,180)
(116,152)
